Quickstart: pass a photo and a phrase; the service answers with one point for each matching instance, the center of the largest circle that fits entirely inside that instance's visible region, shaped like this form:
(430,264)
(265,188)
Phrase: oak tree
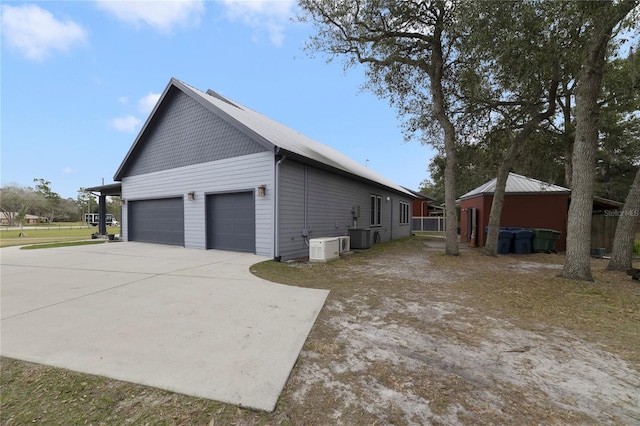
(407,49)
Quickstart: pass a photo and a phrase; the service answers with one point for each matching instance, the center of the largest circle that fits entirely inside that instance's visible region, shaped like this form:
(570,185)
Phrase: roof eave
(209,106)
(609,202)
(492,193)
(118,175)
(320,165)
(109,189)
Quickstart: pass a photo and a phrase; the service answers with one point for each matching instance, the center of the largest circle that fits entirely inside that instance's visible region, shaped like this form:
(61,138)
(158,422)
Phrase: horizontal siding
(228,175)
(291,207)
(330,199)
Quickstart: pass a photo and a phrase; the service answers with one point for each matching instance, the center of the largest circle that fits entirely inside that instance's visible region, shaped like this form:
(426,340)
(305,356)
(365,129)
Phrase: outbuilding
(528,203)
(207,172)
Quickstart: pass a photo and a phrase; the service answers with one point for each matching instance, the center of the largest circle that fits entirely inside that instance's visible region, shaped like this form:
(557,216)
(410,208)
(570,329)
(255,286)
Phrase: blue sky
(79,78)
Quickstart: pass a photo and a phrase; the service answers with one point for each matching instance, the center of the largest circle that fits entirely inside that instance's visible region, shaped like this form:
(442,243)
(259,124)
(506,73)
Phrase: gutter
(276,213)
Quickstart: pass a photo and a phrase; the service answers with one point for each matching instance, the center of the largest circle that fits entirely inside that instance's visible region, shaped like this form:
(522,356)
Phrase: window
(404,213)
(376,211)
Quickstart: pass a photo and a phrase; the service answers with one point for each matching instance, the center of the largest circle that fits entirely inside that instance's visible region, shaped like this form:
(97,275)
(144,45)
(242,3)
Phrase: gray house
(206,172)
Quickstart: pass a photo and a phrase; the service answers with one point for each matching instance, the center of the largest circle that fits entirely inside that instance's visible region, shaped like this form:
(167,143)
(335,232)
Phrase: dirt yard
(431,344)
(409,336)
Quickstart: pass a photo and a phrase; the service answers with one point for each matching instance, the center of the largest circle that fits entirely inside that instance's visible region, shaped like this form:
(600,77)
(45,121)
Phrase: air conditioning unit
(324,249)
(345,245)
(360,238)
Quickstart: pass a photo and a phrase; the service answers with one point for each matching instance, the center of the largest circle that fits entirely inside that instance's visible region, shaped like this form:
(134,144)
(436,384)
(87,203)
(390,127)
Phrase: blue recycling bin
(504,241)
(522,241)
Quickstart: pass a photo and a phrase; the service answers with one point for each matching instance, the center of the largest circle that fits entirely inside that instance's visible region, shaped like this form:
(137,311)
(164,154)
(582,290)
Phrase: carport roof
(110,189)
(270,133)
(518,184)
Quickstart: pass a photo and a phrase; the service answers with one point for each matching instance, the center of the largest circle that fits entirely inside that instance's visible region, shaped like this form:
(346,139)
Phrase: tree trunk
(491,246)
(451,231)
(577,263)
(439,112)
(622,252)
(578,257)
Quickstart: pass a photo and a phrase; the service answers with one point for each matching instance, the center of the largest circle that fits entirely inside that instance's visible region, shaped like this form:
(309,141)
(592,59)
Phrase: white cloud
(123,100)
(146,104)
(264,16)
(68,171)
(162,16)
(36,33)
(126,124)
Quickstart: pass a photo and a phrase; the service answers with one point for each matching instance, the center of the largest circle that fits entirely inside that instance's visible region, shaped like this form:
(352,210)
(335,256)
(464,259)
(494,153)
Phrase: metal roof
(109,189)
(518,184)
(272,134)
(607,202)
(420,195)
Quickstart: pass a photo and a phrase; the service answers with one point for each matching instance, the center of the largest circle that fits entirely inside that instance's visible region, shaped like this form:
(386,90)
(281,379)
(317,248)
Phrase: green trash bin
(544,240)
(539,242)
(554,236)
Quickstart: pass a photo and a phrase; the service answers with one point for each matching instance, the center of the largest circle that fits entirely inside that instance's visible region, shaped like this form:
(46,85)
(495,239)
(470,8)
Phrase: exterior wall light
(191,195)
(123,202)
(262,190)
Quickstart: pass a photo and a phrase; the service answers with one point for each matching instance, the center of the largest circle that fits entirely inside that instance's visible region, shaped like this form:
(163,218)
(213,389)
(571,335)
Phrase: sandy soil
(425,357)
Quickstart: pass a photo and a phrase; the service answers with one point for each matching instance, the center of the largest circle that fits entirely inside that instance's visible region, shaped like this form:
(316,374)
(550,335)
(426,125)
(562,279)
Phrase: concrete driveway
(191,321)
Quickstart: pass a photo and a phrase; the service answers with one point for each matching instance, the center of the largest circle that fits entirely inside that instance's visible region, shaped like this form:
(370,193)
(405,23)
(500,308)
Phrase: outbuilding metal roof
(274,135)
(518,184)
(420,195)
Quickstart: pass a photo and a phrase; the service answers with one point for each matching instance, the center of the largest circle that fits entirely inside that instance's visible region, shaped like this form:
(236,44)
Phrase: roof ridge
(522,184)
(222,98)
(282,136)
(541,182)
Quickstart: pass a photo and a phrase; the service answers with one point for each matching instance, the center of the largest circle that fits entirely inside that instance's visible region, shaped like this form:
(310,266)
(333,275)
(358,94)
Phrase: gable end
(183,133)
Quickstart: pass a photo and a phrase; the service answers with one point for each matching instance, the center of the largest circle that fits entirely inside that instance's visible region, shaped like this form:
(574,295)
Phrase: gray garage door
(157,221)
(231,222)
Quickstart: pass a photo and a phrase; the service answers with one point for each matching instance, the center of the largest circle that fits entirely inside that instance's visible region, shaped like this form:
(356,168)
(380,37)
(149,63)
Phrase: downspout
(276,214)
(391,227)
(305,234)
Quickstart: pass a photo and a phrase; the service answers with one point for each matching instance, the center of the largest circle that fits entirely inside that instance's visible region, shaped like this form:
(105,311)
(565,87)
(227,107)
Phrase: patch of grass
(46,233)
(30,236)
(606,312)
(67,244)
(36,394)
(52,225)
